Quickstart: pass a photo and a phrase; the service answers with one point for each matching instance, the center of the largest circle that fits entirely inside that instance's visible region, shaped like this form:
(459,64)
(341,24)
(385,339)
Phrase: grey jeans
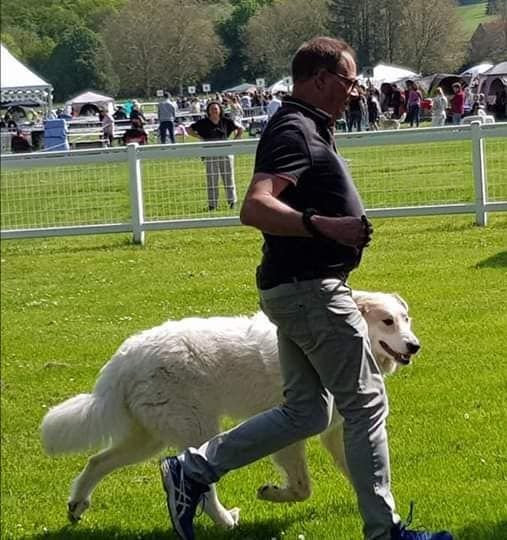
(216,167)
(323,344)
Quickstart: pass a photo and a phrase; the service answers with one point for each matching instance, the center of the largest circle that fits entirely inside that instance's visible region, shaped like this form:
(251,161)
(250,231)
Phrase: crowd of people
(370,109)
(366,110)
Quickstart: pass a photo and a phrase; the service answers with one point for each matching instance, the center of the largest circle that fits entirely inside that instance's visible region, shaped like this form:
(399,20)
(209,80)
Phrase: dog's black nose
(413,347)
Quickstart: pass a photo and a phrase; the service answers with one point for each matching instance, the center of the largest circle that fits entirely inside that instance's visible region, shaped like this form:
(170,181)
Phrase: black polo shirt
(210,131)
(299,145)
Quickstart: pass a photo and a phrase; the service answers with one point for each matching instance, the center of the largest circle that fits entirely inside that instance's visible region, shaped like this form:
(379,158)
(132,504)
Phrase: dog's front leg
(292,461)
(221,516)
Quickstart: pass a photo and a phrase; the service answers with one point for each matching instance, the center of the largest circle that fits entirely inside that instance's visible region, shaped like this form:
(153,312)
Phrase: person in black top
(135,134)
(137,114)
(217,127)
(19,143)
(303,200)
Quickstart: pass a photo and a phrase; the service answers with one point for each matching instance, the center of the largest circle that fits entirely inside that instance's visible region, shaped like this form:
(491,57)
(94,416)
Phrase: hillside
(473,15)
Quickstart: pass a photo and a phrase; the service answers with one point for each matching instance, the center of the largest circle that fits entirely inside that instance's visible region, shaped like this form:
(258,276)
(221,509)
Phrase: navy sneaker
(183,496)
(401,532)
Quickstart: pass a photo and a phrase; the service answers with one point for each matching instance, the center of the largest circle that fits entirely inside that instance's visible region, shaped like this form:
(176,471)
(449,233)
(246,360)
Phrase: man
(217,127)
(166,117)
(273,105)
(303,200)
(457,104)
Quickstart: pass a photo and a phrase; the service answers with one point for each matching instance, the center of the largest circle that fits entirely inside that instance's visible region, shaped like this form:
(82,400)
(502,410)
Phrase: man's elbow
(247,213)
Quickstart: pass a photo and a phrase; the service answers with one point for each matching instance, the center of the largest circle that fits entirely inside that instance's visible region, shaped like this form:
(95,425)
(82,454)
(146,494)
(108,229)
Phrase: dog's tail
(86,421)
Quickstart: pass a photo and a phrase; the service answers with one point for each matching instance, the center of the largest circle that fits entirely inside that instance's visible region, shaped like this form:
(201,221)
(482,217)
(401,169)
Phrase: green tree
(80,61)
(370,26)
(425,36)
(431,36)
(274,34)
(170,45)
(231,29)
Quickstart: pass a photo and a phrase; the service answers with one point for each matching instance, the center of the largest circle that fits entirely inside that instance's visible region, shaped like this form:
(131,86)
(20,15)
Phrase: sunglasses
(352,83)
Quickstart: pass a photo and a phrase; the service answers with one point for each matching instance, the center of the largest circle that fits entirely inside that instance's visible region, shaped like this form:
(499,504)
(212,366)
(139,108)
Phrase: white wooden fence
(72,193)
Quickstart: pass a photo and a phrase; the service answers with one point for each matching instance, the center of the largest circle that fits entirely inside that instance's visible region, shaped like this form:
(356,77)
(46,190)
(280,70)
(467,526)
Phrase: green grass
(68,303)
(473,15)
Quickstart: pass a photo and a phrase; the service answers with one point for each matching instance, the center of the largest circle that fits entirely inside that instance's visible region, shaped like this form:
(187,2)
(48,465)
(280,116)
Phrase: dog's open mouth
(401,358)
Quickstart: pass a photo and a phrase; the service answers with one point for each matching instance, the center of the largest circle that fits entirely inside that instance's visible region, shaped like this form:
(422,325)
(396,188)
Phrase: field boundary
(134,155)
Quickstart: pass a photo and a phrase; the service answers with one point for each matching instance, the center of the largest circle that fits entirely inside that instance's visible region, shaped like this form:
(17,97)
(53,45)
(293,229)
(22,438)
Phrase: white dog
(171,384)
(386,122)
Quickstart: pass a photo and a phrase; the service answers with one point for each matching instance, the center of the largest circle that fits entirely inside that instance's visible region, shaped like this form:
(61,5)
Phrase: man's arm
(263,210)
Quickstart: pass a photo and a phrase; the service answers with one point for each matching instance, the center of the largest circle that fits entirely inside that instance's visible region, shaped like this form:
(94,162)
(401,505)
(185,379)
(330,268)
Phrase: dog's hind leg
(332,439)
(137,447)
(292,461)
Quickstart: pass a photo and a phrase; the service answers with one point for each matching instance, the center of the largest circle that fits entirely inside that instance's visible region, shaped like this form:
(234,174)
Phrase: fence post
(136,193)
(480,177)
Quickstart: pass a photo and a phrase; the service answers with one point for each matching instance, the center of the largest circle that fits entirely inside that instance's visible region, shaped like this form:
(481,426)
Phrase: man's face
(342,84)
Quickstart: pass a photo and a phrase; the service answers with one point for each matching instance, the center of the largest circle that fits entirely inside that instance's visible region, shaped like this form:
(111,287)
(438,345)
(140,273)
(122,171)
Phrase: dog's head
(389,327)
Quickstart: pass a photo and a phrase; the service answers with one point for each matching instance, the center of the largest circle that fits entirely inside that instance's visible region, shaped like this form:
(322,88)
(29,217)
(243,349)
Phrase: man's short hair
(167,94)
(319,53)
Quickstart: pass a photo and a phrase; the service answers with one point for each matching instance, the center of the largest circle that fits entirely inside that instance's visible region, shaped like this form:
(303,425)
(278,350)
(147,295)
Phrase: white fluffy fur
(171,384)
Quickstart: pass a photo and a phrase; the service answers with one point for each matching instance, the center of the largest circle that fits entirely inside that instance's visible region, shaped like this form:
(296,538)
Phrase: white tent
(476,70)
(283,85)
(243,87)
(493,81)
(18,82)
(93,100)
(384,73)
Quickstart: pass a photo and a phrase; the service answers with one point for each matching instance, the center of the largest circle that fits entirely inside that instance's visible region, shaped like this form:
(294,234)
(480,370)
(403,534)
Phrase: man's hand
(349,231)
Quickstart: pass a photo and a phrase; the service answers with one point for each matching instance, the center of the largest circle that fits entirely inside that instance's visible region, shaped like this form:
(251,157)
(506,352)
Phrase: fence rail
(428,171)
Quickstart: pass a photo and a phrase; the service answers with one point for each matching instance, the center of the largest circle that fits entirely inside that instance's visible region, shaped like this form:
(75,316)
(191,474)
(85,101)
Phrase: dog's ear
(401,301)
(363,305)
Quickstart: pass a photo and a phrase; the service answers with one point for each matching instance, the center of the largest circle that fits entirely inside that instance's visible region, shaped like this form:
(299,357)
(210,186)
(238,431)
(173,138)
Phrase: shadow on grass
(483,531)
(499,260)
(260,530)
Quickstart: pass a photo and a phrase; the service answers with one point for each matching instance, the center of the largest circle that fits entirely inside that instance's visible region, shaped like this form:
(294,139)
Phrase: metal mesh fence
(81,189)
(64,196)
(496,168)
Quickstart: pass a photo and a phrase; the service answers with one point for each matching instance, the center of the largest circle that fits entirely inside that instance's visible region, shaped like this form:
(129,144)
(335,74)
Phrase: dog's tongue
(401,358)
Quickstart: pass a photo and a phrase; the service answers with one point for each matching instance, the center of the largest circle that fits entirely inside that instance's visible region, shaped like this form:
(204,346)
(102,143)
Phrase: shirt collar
(318,115)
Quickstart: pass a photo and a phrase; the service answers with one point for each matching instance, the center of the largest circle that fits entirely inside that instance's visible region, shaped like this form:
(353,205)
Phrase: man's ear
(320,78)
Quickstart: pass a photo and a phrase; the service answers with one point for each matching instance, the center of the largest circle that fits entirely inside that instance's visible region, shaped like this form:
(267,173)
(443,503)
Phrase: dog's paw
(228,518)
(273,493)
(75,509)
(234,514)
(269,492)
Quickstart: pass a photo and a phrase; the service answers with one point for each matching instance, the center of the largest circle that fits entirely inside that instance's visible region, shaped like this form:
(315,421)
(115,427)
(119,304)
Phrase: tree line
(134,47)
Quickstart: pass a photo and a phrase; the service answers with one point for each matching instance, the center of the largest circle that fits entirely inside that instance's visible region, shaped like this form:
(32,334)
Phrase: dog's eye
(388,322)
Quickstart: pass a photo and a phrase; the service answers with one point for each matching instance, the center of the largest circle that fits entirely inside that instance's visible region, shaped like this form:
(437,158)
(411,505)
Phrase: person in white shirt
(166,117)
(107,126)
(246,101)
(273,105)
(439,106)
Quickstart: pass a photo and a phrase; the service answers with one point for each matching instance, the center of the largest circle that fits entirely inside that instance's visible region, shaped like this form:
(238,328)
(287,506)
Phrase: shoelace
(410,516)
(182,499)
(408,522)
